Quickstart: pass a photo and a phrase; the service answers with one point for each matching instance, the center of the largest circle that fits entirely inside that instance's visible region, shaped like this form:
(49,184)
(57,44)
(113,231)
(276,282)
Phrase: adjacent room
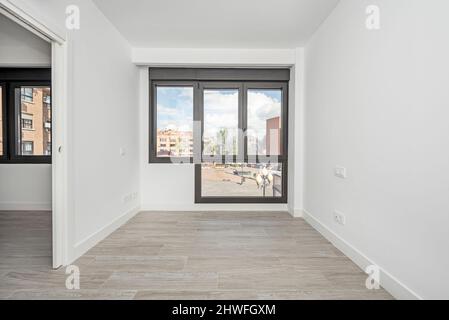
(224,150)
(25,149)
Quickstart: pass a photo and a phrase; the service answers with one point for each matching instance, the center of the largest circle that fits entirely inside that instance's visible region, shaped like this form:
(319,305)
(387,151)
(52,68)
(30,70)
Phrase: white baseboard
(296,213)
(25,206)
(89,242)
(388,282)
(215,207)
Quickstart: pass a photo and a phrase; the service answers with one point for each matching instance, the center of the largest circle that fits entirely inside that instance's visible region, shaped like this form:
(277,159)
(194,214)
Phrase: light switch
(339,218)
(340,172)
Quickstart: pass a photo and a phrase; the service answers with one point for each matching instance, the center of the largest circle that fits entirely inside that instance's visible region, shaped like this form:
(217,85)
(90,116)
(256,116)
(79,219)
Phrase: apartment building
(35,121)
(174,143)
(273,136)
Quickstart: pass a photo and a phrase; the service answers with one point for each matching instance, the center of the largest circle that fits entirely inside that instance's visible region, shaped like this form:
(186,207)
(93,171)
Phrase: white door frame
(18,12)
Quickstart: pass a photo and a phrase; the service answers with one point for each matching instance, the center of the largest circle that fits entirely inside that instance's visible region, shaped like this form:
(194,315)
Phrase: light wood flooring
(183,255)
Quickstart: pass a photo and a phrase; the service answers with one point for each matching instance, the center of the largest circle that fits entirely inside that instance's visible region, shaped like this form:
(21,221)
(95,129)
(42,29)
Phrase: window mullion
(198,125)
(244,119)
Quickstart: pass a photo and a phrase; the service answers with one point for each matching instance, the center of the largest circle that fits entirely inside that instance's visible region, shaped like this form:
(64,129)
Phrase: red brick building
(273,136)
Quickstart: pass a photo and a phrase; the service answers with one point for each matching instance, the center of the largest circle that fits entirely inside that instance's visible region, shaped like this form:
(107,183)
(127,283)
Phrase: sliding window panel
(221,120)
(171,123)
(266,121)
(258,173)
(32,122)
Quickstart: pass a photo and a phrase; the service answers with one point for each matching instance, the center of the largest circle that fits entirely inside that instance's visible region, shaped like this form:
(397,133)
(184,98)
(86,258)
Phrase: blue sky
(274,94)
(175,108)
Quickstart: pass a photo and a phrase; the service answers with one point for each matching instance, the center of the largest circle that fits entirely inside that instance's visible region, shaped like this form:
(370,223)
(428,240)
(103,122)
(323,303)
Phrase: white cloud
(166,111)
(261,107)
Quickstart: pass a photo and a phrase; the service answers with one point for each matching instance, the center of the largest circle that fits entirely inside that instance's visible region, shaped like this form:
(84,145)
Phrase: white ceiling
(216,23)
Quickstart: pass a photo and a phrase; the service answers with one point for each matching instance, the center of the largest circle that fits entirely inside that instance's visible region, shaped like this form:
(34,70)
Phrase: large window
(231,123)
(25,120)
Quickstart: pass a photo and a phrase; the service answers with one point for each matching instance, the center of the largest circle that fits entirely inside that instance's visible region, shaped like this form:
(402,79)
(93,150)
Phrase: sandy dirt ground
(220,181)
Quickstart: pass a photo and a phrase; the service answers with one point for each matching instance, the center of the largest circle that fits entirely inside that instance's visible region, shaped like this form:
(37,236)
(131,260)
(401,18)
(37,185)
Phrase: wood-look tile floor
(183,255)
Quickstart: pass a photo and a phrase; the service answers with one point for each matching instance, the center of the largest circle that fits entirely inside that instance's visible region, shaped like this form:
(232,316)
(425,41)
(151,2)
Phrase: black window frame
(249,158)
(200,79)
(10,80)
(4,128)
(153,157)
(217,85)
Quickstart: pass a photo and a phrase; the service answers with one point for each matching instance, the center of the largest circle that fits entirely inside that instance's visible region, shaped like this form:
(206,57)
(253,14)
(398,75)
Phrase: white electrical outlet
(339,218)
(130,197)
(127,198)
(340,172)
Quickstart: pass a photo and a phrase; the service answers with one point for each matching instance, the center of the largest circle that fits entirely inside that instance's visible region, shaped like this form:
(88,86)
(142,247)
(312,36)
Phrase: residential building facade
(35,121)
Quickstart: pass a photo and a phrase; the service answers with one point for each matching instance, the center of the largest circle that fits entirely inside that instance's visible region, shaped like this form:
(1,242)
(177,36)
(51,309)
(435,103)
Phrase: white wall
(23,186)
(103,117)
(377,103)
(207,57)
(21,48)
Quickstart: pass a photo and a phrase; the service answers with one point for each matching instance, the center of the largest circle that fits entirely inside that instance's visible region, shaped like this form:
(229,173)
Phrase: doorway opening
(32,136)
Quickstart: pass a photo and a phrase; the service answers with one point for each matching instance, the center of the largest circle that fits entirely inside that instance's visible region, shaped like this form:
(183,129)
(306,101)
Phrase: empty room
(230,150)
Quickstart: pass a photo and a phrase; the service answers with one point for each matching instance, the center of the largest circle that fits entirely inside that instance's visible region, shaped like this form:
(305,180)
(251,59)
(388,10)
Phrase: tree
(222,136)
